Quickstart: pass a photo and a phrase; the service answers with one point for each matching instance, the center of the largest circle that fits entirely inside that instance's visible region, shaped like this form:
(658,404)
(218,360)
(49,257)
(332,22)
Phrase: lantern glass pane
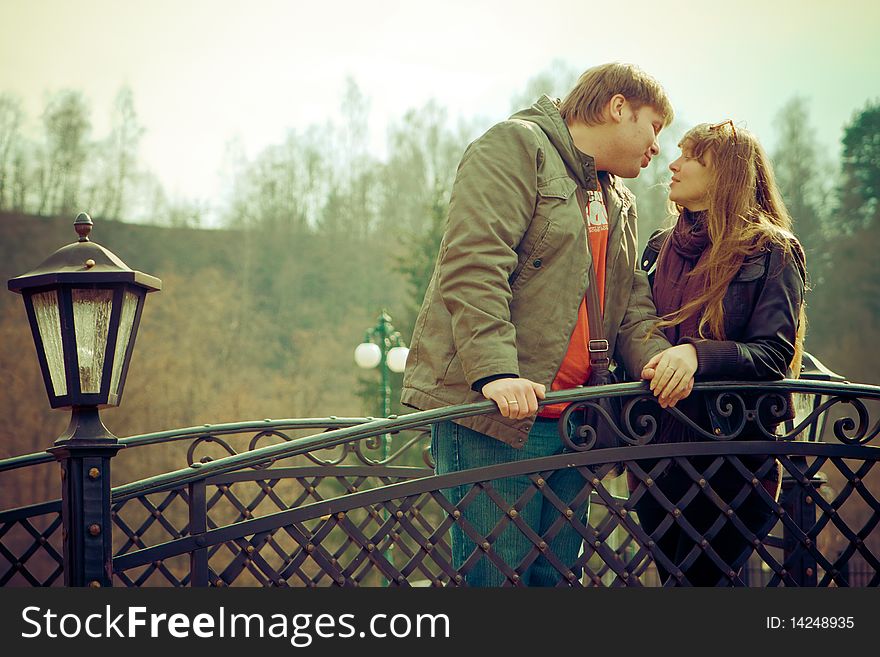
(91,322)
(49,324)
(126,321)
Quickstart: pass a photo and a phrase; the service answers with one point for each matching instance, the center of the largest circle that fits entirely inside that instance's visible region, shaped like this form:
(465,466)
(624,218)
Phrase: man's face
(636,141)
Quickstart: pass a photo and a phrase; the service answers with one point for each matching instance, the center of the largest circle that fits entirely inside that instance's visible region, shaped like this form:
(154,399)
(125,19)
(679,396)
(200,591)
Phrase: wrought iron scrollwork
(845,429)
(357,448)
(845,425)
(203,440)
(338,455)
(338,459)
(631,428)
(344,451)
(646,422)
(585,433)
(374,442)
(636,426)
(778,408)
(255,441)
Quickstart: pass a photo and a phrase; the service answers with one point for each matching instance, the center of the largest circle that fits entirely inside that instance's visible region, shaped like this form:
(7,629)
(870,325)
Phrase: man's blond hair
(596,86)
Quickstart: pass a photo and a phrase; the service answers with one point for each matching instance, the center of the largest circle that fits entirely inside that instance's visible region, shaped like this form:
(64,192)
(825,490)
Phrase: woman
(728,282)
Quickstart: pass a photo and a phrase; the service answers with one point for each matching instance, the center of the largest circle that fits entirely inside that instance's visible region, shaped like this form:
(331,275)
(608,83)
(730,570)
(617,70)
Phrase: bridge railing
(30,537)
(320,510)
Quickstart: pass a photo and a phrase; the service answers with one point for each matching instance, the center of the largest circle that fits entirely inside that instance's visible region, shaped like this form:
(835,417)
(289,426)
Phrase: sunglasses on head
(718,126)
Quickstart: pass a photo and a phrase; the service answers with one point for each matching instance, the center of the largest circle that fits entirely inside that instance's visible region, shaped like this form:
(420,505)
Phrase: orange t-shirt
(575,368)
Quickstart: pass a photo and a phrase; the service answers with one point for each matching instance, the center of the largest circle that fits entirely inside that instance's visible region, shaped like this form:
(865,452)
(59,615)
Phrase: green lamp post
(383,348)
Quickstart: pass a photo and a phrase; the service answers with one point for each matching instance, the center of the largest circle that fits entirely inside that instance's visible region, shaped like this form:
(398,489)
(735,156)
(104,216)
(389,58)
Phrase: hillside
(247,325)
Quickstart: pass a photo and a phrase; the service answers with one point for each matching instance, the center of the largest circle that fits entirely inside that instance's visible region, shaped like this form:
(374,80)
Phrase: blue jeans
(457,448)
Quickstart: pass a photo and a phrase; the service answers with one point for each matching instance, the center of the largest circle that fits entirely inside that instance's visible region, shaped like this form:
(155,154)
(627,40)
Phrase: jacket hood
(545,114)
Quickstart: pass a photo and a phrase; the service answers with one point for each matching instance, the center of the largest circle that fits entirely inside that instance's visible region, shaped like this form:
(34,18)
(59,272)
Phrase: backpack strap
(600,358)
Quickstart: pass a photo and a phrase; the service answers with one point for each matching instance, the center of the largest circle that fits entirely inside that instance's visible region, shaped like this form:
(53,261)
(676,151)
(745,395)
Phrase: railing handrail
(269,454)
(173,435)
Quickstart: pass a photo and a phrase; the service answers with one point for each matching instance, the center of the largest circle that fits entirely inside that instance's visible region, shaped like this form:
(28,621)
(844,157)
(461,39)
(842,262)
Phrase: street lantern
(84,307)
(397,358)
(367,355)
(382,347)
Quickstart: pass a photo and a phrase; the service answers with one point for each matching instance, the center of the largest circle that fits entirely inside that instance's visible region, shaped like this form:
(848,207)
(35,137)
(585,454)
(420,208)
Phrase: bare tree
(11,116)
(67,124)
(20,178)
(125,138)
(353,207)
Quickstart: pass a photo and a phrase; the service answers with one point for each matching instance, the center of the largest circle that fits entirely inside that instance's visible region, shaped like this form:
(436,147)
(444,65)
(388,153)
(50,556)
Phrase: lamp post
(384,348)
(84,307)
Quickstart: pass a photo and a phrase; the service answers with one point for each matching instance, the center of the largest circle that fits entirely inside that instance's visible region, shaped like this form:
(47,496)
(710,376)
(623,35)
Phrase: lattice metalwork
(30,547)
(149,520)
(398,534)
(274,558)
(145,521)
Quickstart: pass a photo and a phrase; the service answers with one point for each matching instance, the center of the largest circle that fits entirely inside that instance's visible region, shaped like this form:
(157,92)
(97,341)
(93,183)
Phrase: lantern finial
(83,226)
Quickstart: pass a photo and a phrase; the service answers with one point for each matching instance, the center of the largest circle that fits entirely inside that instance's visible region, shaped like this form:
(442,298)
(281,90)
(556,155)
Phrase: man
(504,314)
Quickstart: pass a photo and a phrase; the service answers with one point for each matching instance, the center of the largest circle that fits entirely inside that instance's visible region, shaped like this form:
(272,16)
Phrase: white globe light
(397,358)
(367,355)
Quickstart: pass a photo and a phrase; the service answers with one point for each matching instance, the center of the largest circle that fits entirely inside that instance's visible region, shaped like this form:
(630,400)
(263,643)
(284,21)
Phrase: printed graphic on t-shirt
(597,214)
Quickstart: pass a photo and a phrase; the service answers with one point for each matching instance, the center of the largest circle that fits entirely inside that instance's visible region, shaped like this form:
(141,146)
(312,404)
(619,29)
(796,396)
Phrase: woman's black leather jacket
(761,313)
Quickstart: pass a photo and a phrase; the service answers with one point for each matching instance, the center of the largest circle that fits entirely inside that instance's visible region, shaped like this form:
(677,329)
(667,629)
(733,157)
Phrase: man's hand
(671,373)
(516,398)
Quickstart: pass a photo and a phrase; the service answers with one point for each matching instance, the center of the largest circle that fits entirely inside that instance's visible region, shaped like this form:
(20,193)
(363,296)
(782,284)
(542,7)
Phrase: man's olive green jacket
(512,271)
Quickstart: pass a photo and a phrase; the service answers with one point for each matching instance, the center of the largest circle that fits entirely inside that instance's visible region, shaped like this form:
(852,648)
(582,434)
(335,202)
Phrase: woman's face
(690,180)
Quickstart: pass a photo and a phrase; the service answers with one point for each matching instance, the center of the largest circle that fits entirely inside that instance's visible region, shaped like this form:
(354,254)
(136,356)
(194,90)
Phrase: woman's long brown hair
(745,214)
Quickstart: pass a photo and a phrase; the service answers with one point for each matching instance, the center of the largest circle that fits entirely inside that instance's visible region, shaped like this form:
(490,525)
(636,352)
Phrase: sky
(205,72)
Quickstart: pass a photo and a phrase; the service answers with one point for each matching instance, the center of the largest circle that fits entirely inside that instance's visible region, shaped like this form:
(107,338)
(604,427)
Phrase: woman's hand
(671,373)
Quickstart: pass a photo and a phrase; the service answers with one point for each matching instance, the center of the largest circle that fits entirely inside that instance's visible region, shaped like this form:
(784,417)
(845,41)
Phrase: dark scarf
(673,285)
(673,288)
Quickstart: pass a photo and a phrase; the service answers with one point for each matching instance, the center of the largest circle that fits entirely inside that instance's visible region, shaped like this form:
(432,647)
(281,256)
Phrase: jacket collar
(545,113)
(581,166)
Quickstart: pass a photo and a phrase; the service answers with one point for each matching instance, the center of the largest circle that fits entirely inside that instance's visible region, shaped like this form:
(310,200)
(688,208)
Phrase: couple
(720,297)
